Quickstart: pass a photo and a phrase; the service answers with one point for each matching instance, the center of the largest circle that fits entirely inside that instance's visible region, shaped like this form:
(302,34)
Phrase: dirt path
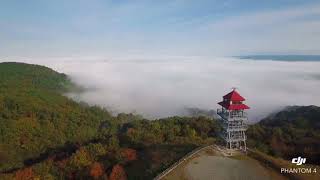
(216,164)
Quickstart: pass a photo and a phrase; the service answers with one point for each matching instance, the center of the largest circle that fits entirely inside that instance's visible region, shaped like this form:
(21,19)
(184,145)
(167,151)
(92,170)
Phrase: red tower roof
(234,96)
(229,106)
(233,101)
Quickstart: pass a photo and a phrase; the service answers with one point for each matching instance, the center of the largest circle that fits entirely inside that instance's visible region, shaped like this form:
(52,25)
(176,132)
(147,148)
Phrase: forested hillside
(290,133)
(35,117)
(46,135)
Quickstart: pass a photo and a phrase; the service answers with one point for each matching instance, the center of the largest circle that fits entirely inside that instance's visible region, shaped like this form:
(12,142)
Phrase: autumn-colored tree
(118,173)
(129,154)
(24,174)
(96,170)
(80,159)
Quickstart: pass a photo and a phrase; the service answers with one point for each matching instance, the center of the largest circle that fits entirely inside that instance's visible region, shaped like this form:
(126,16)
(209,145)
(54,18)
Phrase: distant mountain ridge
(292,58)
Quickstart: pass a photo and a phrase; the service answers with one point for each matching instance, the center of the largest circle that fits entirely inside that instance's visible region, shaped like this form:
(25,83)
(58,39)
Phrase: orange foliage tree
(24,174)
(96,170)
(81,159)
(118,173)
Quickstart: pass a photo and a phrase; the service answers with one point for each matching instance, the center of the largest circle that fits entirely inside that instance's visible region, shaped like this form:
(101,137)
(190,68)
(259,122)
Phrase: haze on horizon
(157,57)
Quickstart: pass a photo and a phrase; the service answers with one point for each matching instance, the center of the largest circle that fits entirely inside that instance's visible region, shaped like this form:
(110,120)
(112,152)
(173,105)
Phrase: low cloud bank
(164,87)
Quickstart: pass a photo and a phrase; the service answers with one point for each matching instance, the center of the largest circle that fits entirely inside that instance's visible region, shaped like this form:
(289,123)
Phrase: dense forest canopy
(34,116)
(47,135)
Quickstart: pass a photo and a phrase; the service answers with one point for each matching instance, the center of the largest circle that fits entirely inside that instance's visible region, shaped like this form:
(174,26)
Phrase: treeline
(48,136)
(290,133)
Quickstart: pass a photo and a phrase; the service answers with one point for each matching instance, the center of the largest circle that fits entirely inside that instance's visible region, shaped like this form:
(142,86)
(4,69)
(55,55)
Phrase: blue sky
(101,28)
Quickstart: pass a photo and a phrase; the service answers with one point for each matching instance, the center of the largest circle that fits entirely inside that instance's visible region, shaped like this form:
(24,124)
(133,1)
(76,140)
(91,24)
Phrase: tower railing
(231,115)
(242,127)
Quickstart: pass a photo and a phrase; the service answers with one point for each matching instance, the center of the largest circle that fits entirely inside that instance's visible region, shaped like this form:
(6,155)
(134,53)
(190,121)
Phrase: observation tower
(233,117)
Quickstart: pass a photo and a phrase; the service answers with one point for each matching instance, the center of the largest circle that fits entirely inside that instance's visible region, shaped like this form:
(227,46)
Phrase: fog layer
(165,86)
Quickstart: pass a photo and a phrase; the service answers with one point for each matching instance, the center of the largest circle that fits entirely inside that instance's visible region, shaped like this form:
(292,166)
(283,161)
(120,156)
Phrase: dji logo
(299,160)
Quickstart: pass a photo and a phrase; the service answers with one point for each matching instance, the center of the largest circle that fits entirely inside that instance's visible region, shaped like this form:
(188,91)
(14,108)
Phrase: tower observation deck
(233,118)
